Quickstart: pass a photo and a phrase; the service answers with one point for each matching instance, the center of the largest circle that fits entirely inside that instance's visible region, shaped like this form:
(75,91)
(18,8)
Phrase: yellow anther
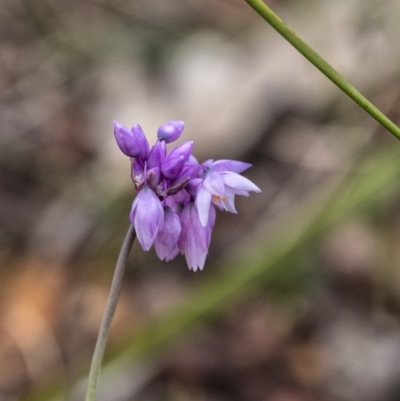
(218,198)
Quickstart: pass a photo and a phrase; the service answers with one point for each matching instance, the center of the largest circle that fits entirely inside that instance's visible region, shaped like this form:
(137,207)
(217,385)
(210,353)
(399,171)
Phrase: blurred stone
(350,250)
(309,363)
(61,229)
(290,395)
(363,358)
(29,317)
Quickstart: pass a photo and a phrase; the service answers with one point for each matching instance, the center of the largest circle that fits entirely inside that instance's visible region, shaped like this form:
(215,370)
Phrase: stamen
(161,191)
(137,178)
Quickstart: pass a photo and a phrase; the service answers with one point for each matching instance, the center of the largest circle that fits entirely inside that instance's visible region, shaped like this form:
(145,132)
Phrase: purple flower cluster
(177,196)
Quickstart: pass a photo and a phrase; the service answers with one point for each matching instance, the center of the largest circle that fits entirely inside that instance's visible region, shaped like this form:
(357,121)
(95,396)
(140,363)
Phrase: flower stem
(268,15)
(112,302)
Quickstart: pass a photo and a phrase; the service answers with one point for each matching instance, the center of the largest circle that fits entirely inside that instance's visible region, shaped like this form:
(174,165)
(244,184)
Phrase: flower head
(220,185)
(177,197)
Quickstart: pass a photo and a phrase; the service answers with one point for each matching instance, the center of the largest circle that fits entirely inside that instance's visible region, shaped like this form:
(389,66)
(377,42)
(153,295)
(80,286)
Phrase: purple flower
(220,187)
(147,215)
(175,208)
(170,131)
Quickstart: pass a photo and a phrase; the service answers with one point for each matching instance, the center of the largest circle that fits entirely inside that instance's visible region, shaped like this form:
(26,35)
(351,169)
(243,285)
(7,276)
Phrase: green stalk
(95,367)
(310,54)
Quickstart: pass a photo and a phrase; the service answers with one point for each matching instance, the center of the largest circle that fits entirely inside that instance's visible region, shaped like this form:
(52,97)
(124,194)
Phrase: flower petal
(236,181)
(194,238)
(177,201)
(141,140)
(229,203)
(230,165)
(133,210)
(147,216)
(172,167)
(203,202)
(193,186)
(167,239)
(184,150)
(157,155)
(214,183)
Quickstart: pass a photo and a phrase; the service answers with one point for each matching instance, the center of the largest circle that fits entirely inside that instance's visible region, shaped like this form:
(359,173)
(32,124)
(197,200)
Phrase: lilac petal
(193,241)
(214,184)
(177,201)
(230,165)
(167,239)
(133,209)
(236,191)
(186,173)
(208,163)
(193,186)
(142,143)
(170,131)
(172,167)
(184,150)
(164,253)
(236,181)
(229,203)
(203,202)
(195,256)
(218,205)
(147,215)
(137,166)
(157,155)
(226,202)
(132,143)
(192,160)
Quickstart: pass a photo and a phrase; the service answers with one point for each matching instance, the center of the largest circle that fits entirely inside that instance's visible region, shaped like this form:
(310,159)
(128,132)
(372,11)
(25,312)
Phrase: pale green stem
(266,13)
(112,302)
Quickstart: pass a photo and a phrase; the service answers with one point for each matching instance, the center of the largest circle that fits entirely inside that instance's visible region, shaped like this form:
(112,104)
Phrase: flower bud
(172,167)
(170,131)
(132,143)
(184,150)
(157,155)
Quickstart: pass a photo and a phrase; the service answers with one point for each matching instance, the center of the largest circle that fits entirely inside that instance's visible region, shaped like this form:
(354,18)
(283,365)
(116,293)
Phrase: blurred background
(299,299)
